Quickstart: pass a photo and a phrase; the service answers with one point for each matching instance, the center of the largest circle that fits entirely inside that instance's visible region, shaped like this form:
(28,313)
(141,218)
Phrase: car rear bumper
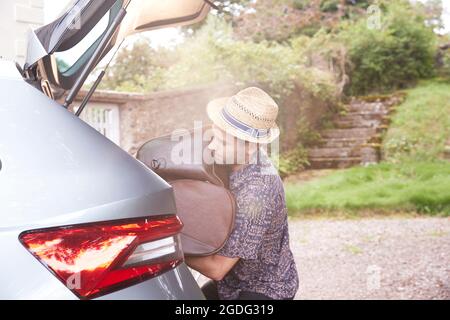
(177,284)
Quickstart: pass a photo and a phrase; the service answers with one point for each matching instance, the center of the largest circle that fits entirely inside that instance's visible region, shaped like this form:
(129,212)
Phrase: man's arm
(214,267)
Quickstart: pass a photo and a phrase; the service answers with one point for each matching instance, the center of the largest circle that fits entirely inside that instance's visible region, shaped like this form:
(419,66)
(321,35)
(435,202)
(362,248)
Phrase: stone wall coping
(108,96)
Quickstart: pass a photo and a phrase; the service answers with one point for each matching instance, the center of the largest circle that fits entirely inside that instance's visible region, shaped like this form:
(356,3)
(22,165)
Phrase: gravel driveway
(372,258)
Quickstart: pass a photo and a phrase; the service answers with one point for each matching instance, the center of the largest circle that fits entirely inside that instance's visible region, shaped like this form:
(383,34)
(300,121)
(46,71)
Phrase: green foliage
(213,55)
(326,122)
(420,126)
(300,4)
(323,48)
(329,5)
(397,147)
(309,30)
(399,53)
(296,159)
(362,3)
(139,68)
(292,161)
(307,136)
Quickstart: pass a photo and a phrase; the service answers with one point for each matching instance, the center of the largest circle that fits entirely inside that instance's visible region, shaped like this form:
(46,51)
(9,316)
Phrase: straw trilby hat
(249,115)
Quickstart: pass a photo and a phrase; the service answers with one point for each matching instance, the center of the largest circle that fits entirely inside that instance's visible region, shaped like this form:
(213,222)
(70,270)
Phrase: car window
(70,61)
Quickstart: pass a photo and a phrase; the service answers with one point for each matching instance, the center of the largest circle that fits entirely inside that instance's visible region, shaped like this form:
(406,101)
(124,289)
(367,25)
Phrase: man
(256,261)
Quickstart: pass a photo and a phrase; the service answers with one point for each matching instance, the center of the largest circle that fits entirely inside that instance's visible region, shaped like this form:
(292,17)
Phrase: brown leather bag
(204,204)
(157,155)
(207,212)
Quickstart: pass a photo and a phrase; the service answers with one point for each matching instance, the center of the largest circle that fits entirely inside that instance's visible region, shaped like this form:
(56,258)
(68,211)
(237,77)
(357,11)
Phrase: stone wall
(143,117)
(163,112)
(300,104)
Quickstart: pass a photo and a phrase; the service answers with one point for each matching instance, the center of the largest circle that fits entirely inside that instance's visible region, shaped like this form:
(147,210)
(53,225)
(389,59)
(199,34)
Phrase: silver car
(79,217)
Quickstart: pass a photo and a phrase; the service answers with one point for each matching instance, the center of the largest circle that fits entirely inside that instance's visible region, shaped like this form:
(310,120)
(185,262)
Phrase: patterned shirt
(260,236)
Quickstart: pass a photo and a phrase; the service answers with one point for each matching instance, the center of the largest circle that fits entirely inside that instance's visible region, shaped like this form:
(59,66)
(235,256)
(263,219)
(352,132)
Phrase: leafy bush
(138,68)
(329,5)
(292,161)
(397,147)
(214,55)
(300,4)
(324,49)
(401,52)
(307,136)
(361,3)
(309,30)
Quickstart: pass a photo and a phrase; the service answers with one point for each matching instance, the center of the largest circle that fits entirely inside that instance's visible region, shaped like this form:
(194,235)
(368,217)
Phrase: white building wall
(16,19)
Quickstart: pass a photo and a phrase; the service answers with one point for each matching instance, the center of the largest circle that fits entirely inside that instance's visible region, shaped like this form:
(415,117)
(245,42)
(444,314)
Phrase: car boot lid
(81,23)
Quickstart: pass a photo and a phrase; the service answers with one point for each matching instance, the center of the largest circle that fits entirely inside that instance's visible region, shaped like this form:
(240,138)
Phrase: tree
(226,9)
(138,68)
(392,57)
(280,20)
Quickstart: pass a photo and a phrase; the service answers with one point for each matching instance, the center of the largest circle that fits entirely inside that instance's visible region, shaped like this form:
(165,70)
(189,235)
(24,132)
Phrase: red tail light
(95,259)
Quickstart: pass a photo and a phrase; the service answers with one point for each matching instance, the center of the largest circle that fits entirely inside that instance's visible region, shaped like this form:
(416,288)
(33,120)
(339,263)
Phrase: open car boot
(204,204)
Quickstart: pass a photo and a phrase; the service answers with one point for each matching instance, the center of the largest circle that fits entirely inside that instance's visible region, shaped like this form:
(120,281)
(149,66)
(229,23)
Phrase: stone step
(334,152)
(355,116)
(327,163)
(347,124)
(343,146)
(366,107)
(341,142)
(357,133)
(365,114)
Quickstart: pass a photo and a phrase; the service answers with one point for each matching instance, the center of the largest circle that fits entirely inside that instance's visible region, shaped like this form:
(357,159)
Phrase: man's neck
(237,167)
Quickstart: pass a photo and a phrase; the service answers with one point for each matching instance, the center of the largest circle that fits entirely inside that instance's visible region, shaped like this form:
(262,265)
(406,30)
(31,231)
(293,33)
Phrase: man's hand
(214,267)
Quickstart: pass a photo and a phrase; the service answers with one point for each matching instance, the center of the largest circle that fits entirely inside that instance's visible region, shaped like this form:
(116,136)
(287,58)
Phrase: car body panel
(56,171)
(65,168)
(177,284)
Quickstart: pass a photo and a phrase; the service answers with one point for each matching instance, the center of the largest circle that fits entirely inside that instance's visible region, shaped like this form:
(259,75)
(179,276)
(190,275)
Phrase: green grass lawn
(417,186)
(421,125)
(413,178)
